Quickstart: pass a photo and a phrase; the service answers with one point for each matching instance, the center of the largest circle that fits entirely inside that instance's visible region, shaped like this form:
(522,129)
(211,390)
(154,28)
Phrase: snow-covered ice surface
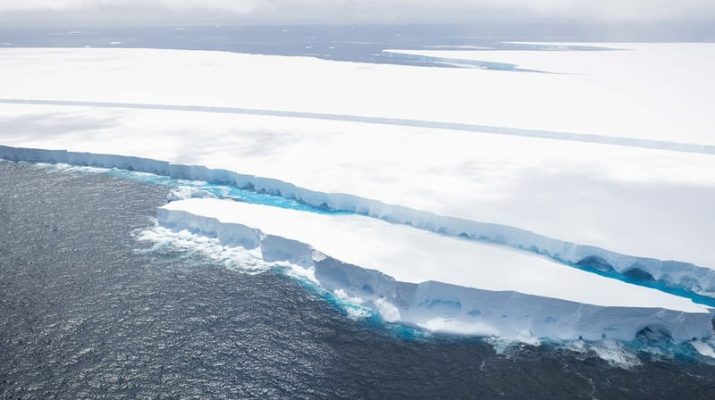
(390,142)
(371,262)
(645,90)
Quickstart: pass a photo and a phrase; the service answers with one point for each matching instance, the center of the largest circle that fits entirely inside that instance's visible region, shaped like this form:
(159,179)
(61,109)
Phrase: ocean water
(87,312)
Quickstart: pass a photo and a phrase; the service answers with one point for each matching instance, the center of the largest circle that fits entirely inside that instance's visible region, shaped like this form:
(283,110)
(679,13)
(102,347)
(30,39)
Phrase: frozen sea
(86,311)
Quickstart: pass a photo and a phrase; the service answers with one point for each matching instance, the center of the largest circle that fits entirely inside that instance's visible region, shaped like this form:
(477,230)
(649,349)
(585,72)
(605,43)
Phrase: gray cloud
(331,11)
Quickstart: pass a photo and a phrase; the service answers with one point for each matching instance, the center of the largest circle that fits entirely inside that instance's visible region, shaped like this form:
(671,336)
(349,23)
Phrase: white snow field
(609,163)
(646,90)
(456,285)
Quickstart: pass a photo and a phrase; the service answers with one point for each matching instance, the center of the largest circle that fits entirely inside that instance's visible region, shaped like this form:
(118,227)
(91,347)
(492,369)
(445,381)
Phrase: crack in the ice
(455,126)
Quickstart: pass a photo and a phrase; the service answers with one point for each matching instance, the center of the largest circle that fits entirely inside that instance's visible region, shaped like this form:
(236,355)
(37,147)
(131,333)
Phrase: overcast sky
(346,11)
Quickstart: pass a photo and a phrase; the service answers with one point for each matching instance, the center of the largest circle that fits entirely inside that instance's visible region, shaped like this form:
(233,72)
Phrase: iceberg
(441,283)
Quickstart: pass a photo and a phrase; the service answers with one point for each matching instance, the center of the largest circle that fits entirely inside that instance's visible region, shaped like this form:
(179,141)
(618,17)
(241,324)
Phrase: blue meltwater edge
(206,189)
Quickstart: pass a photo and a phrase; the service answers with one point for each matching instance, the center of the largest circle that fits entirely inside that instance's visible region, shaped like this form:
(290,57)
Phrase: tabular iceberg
(440,283)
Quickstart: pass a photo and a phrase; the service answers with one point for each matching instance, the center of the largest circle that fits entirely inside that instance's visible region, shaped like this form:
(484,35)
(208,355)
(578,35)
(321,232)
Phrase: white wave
(237,258)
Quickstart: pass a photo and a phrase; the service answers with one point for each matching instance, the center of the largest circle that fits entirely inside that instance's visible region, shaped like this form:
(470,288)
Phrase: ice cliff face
(680,277)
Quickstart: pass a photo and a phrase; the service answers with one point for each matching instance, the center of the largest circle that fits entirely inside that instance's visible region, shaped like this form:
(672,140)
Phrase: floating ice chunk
(615,354)
(704,348)
(187,192)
